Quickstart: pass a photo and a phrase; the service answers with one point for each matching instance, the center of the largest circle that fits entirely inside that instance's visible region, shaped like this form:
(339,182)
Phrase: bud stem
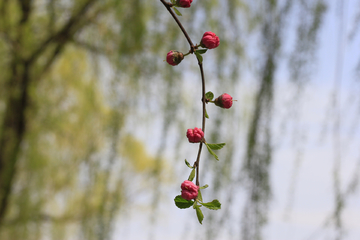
(192,49)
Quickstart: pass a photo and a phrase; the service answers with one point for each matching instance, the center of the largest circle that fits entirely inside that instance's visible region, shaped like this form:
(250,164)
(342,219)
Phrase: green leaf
(216,146)
(199,214)
(188,164)
(173,2)
(214,205)
(205,186)
(182,203)
(199,196)
(201,51)
(192,175)
(177,11)
(209,96)
(206,115)
(199,57)
(211,152)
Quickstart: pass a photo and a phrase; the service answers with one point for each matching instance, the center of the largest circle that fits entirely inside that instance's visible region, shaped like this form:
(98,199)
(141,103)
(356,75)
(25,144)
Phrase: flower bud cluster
(209,40)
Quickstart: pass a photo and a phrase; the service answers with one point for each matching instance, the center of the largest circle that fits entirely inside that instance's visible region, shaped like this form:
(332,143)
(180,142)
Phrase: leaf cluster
(183,203)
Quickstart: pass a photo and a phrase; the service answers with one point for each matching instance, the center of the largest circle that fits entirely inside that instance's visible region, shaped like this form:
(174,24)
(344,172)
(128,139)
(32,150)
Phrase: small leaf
(199,214)
(199,57)
(216,146)
(205,186)
(209,96)
(211,152)
(173,2)
(182,203)
(214,205)
(192,175)
(199,196)
(206,115)
(177,11)
(201,51)
(188,164)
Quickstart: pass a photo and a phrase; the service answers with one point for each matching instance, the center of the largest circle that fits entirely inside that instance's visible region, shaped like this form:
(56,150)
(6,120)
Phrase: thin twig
(66,31)
(192,49)
(168,7)
(197,163)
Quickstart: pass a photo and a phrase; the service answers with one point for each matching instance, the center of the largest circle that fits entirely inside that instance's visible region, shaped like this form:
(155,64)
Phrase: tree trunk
(13,130)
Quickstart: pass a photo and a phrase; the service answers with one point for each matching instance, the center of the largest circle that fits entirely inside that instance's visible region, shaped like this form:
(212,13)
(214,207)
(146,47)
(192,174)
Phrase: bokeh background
(93,120)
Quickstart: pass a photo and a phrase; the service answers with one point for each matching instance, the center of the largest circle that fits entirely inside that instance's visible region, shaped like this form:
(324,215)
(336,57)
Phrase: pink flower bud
(194,135)
(224,101)
(189,190)
(184,3)
(174,57)
(210,40)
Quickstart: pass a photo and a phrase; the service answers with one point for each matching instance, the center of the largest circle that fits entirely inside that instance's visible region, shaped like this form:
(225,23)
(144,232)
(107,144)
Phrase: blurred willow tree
(75,73)
(56,119)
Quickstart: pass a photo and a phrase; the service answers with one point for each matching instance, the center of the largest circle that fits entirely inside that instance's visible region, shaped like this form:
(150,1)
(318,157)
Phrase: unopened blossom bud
(184,3)
(189,190)
(210,40)
(195,135)
(224,101)
(174,57)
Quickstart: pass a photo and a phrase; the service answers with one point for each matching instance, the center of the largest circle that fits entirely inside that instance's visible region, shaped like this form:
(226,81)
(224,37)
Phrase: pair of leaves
(198,54)
(214,146)
(192,174)
(175,9)
(210,147)
(183,203)
(214,205)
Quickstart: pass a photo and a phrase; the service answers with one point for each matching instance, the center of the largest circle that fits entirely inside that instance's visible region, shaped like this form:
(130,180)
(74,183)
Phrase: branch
(58,49)
(168,7)
(61,43)
(203,120)
(203,99)
(89,47)
(26,10)
(63,34)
